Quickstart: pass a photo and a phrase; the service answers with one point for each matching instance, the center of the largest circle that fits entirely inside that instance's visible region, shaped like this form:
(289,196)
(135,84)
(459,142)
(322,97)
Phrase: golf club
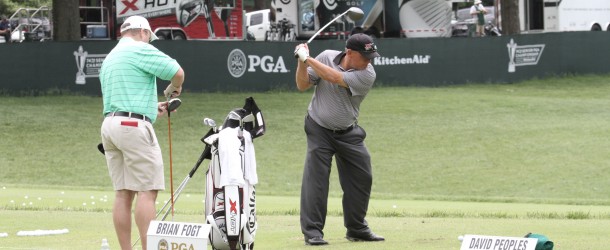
(172,104)
(353,13)
(206,154)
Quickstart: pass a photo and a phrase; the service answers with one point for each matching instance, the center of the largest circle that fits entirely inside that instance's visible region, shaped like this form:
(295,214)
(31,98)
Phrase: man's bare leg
(121,216)
(145,212)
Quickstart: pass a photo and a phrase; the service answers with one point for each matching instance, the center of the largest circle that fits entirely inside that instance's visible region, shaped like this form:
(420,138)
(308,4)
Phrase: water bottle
(105,245)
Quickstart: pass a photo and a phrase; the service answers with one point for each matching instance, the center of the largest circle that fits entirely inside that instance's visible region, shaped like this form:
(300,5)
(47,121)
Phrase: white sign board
(483,242)
(166,235)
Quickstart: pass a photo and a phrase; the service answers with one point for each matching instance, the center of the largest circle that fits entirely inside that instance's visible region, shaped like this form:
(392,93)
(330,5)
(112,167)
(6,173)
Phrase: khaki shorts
(133,154)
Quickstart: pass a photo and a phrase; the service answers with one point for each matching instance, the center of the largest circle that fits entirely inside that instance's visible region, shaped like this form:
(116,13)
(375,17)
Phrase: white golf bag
(230,203)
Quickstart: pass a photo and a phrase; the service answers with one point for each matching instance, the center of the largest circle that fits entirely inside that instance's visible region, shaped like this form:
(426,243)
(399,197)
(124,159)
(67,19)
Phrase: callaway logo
(233,206)
(330,4)
(252,218)
(129,5)
(238,63)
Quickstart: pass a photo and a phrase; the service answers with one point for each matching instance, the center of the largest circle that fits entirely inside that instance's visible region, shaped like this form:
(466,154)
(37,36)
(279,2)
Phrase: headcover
(543,242)
(255,126)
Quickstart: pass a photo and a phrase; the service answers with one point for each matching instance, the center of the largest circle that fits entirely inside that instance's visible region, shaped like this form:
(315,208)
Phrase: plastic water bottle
(105,245)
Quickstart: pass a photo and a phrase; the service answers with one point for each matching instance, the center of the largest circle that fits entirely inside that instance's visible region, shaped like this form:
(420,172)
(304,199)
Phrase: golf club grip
(207,151)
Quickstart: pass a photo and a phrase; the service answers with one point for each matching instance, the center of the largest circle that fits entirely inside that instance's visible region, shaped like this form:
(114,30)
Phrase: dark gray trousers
(355,176)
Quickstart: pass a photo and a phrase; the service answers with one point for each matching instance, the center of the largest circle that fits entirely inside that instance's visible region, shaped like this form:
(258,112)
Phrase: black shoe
(369,236)
(315,241)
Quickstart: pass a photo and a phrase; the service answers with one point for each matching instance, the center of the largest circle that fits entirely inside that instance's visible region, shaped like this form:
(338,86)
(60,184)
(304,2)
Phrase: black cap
(364,44)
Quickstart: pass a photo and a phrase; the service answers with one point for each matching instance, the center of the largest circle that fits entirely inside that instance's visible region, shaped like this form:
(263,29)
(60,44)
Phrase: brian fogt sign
(168,235)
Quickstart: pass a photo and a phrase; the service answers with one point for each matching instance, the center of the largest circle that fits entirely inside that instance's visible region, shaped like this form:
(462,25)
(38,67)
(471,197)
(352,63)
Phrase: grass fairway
(469,159)
(406,224)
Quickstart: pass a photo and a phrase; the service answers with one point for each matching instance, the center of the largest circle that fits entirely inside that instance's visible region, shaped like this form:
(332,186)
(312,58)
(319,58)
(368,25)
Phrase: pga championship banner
(35,68)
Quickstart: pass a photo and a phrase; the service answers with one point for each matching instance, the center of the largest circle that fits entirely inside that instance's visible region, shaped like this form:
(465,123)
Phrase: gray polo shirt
(335,107)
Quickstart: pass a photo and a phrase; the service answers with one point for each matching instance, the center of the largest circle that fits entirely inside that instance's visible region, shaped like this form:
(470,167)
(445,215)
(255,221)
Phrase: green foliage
(8,7)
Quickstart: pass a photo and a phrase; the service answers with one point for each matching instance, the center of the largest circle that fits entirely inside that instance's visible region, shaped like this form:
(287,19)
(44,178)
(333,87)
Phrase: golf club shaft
(171,169)
(178,191)
(175,196)
(186,179)
(329,23)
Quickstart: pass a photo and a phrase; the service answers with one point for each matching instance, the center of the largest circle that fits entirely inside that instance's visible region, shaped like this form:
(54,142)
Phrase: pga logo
(238,63)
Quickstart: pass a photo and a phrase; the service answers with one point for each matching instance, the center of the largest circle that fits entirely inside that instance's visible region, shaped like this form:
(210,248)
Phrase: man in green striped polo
(128,78)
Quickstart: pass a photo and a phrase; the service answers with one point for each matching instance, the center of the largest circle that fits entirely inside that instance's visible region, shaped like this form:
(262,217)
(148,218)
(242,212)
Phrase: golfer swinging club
(342,79)
(128,77)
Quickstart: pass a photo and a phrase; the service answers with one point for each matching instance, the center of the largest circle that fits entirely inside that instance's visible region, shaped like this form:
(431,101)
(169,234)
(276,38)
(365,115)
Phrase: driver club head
(173,104)
(355,13)
(187,11)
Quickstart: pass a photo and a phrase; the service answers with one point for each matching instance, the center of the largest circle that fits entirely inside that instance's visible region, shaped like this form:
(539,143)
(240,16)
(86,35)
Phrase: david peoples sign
(166,235)
(477,242)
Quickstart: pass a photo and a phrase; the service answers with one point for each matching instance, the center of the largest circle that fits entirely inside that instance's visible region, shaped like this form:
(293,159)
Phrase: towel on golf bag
(250,160)
(230,157)
(543,242)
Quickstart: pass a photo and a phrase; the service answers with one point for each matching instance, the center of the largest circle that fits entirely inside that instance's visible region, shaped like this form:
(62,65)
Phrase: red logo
(128,6)
(233,206)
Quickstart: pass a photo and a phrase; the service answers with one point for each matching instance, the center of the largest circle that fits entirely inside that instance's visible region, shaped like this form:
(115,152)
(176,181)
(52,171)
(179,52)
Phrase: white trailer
(564,15)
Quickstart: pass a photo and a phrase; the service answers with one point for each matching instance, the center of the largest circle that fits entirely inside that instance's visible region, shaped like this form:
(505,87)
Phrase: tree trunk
(260,4)
(66,20)
(510,17)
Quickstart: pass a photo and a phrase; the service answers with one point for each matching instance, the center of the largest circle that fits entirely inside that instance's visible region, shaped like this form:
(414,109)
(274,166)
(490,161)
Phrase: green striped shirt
(129,74)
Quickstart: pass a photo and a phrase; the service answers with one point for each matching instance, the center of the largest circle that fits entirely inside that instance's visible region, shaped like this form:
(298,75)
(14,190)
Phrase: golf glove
(302,53)
(169,90)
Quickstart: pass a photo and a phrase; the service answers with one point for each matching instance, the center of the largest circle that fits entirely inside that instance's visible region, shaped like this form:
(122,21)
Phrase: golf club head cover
(207,151)
(543,242)
(100,147)
(257,128)
(232,121)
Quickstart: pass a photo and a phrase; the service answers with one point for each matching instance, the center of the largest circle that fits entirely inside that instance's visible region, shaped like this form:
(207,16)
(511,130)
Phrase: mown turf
(501,159)
(407,224)
(537,141)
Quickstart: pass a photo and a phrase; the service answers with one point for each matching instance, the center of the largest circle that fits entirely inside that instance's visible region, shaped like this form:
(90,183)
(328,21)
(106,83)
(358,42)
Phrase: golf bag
(230,203)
